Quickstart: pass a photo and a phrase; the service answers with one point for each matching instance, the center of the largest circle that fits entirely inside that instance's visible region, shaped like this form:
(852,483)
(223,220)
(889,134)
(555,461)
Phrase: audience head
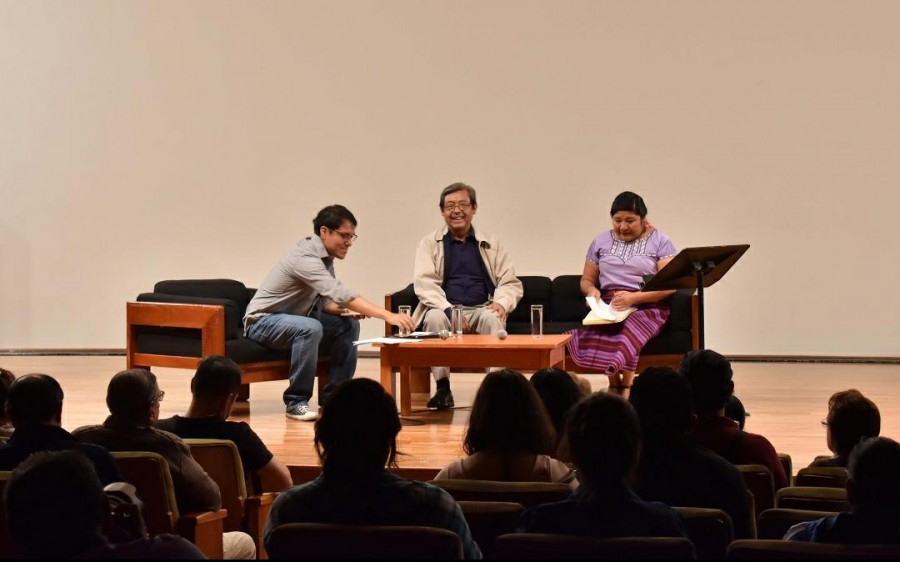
(133,397)
(603,437)
(873,484)
(55,505)
(734,409)
(851,417)
(34,399)
(709,375)
(356,435)
(559,392)
(6,380)
(458,186)
(662,399)
(216,377)
(508,415)
(630,203)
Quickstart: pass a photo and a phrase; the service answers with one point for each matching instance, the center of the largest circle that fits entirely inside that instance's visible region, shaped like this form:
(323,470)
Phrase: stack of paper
(601,313)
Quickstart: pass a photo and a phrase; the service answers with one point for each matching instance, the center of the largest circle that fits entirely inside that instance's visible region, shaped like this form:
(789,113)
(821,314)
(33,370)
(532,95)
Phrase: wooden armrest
(256,511)
(209,319)
(205,530)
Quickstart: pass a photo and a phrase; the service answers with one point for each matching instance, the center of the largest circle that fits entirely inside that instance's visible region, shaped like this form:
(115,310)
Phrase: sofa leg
(244,393)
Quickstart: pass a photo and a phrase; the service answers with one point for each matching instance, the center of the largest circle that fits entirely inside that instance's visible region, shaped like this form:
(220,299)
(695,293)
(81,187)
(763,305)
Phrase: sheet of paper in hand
(601,313)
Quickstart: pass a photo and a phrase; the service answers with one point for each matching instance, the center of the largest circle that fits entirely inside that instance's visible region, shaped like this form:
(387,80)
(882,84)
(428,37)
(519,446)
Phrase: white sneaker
(301,412)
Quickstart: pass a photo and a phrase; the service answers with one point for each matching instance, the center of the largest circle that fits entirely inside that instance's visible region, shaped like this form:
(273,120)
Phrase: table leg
(387,377)
(405,392)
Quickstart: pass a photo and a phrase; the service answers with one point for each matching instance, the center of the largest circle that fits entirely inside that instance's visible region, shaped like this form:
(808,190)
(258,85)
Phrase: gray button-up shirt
(297,281)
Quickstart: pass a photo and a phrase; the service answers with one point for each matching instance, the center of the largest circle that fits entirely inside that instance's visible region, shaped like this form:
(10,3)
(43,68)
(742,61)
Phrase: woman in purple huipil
(616,263)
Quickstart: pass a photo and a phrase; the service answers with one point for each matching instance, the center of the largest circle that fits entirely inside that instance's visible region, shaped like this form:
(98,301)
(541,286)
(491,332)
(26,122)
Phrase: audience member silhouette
(559,391)
(873,490)
(734,410)
(34,405)
(851,418)
(356,437)
(673,469)
(710,377)
(57,509)
(133,398)
(509,436)
(6,427)
(214,389)
(603,436)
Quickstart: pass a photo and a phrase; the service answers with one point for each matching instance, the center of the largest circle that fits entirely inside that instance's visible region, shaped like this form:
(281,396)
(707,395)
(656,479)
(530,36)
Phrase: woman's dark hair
(332,217)
(356,435)
(851,417)
(603,436)
(559,392)
(508,415)
(631,202)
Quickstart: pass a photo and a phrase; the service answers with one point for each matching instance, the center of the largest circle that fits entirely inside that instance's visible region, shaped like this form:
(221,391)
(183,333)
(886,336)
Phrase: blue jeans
(306,337)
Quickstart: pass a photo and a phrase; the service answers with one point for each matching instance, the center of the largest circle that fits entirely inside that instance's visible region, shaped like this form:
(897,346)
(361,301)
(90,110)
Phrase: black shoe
(441,400)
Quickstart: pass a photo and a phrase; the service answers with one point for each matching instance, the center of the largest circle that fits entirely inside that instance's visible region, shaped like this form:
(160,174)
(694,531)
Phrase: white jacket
(428,275)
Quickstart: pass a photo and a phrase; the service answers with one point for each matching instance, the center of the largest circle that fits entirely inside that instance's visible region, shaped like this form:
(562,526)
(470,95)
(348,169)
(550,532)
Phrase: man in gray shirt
(301,306)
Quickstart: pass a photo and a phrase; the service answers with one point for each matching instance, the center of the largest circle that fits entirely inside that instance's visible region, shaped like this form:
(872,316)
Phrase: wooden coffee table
(469,351)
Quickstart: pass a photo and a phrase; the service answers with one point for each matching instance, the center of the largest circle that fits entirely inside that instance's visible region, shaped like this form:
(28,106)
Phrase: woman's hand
(623,299)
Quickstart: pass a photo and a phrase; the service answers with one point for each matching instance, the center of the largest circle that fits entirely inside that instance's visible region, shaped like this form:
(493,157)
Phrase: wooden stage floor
(786,402)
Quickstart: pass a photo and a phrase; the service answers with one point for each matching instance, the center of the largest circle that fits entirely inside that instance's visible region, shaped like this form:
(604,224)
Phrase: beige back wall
(146,140)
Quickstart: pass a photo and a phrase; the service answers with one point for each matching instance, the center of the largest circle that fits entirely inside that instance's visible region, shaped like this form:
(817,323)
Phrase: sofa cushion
(185,342)
(566,301)
(536,291)
(209,288)
(234,324)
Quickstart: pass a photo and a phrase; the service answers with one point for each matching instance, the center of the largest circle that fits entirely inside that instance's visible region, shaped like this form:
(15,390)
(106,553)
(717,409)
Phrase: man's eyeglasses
(825,422)
(461,206)
(159,396)
(347,236)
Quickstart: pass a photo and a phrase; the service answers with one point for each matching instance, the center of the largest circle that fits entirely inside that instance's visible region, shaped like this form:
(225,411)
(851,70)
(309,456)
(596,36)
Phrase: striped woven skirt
(612,348)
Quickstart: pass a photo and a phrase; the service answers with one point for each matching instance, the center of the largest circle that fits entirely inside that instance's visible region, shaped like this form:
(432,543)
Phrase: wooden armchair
(149,473)
(248,513)
(183,321)
(324,541)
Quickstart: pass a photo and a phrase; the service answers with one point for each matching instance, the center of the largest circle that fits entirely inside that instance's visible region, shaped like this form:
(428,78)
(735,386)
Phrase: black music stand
(696,268)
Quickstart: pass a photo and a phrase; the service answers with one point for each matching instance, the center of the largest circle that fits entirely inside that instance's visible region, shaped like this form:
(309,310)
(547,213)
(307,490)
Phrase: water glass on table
(407,310)
(537,320)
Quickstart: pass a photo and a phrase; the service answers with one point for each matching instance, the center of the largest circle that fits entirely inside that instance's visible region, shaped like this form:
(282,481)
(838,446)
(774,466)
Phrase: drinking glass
(407,310)
(456,320)
(537,320)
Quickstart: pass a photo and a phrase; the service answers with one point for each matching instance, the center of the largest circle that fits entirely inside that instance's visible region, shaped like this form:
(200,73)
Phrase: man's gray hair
(453,188)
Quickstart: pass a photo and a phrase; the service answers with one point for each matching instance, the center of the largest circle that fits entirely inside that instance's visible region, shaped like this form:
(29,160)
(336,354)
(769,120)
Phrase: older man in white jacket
(459,265)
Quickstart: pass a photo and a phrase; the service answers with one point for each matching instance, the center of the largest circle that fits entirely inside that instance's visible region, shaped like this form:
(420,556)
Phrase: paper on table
(386,340)
(601,313)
